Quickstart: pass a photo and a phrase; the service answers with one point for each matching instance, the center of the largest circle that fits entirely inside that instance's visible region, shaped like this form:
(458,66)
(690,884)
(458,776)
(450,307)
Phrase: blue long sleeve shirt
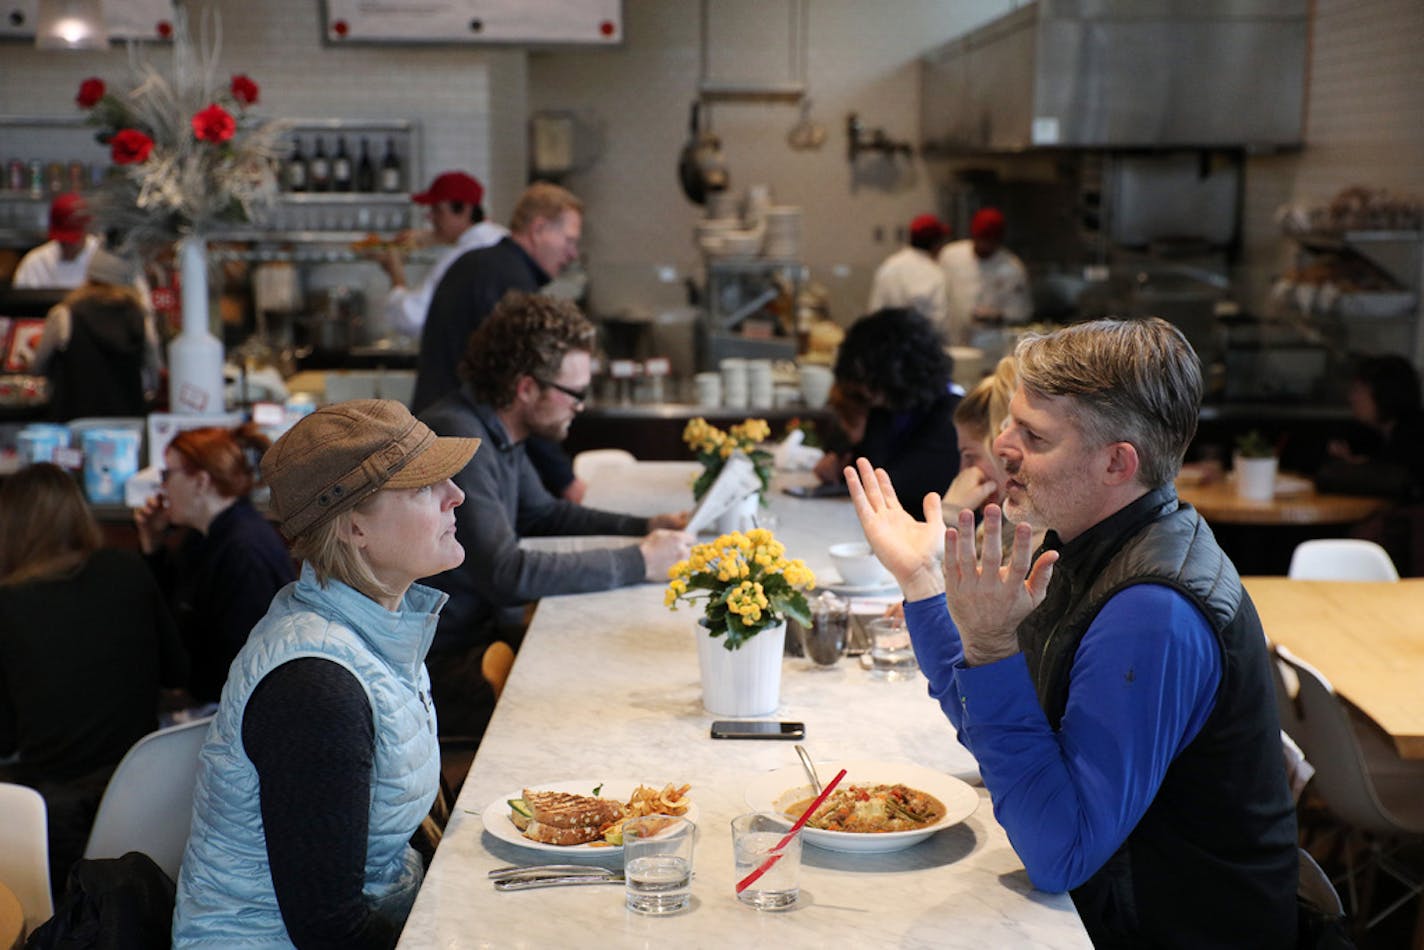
(1143,682)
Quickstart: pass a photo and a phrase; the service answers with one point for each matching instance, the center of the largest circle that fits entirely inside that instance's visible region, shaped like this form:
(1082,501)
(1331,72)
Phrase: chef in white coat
(912,278)
(457,221)
(986,283)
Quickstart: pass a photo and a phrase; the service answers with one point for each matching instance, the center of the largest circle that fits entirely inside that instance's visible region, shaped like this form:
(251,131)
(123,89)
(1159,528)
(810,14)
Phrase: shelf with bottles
(335,159)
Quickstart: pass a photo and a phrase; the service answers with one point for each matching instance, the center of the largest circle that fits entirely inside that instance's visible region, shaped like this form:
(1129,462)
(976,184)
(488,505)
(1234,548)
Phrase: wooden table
(1219,503)
(606,688)
(12,920)
(1367,638)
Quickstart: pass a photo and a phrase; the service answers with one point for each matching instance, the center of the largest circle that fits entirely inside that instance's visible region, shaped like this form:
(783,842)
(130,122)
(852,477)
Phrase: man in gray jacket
(526,372)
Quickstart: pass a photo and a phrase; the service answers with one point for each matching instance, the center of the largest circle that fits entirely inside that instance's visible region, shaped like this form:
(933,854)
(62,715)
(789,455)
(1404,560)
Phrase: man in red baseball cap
(911,278)
(457,220)
(63,260)
(986,283)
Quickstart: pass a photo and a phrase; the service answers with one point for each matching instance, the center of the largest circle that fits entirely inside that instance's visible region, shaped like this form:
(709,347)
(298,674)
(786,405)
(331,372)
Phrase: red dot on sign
(165,29)
(606,27)
(340,28)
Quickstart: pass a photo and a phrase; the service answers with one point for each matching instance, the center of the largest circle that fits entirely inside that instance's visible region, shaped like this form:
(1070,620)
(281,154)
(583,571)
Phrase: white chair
(1378,799)
(24,851)
(148,803)
(1341,559)
(593,463)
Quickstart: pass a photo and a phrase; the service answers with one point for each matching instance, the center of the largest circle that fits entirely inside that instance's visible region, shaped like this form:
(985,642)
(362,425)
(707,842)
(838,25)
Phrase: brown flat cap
(342,453)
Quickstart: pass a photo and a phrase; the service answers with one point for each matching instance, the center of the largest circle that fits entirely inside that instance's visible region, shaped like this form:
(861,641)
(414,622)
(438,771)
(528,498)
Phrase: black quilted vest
(1213,861)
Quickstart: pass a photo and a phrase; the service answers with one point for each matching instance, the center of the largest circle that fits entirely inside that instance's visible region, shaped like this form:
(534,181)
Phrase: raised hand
(908,548)
(970,489)
(987,598)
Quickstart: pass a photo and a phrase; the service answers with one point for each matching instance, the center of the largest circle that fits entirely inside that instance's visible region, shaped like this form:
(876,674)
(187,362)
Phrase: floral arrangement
(1253,445)
(187,155)
(714,447)
(747,584)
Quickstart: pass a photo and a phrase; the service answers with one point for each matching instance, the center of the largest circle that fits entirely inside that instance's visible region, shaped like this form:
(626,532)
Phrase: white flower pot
(1255,478)
(744,682)
(741,516)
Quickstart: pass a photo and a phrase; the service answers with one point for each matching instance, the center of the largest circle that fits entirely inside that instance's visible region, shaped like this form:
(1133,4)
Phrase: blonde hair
(986,406)
(542,200)
(332,557)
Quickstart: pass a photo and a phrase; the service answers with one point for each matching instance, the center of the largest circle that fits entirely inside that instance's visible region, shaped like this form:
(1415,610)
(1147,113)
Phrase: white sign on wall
(474,21)
(125,19)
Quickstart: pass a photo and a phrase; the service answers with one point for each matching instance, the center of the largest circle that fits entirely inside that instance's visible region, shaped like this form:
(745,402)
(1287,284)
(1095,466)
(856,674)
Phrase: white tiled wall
(1364,122)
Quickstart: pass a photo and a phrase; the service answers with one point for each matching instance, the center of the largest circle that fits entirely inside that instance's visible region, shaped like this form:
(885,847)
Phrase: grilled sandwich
(564,819)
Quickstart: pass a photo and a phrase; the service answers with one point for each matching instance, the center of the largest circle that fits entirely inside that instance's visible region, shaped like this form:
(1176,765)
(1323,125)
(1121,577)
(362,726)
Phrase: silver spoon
(810,768)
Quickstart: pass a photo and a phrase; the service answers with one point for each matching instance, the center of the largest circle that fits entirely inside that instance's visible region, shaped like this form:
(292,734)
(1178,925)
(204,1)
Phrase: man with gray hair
(1115,689)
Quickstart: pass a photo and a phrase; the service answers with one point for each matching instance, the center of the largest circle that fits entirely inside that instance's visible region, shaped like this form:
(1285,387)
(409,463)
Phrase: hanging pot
(701,168)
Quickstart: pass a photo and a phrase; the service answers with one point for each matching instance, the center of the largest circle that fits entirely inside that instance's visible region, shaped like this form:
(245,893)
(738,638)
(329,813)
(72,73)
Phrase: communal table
(1366,637)
(606,688)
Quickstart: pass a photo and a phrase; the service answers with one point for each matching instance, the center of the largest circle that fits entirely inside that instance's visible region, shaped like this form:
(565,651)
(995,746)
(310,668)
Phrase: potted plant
(747,588)
(714,447)
(1255,465)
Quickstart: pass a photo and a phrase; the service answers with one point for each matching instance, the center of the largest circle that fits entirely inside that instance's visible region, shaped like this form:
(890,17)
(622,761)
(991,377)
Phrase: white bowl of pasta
(877,807)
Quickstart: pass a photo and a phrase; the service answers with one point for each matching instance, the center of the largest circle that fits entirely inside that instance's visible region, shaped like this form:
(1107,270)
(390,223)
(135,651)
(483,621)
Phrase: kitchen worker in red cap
(911,278)
(986,283)
(63,260)
(457,221)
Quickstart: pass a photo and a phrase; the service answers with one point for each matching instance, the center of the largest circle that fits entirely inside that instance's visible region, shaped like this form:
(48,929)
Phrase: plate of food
(581,815)
(877,807)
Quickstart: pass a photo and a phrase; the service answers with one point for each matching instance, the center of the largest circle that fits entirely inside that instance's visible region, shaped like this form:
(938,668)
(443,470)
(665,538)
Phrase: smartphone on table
(757,729)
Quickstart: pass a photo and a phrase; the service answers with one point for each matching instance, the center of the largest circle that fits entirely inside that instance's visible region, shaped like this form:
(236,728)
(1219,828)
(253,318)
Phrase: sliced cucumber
(518,805)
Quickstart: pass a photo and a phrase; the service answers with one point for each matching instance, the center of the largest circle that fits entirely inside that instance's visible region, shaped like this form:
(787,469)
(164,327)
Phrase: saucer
(839,586)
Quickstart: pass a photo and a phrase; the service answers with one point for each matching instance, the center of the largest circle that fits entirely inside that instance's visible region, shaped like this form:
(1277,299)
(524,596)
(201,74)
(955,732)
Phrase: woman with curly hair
(223,573)
(894,400)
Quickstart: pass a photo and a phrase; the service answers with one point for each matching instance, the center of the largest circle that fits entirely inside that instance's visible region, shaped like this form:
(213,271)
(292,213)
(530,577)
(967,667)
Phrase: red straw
(776,852)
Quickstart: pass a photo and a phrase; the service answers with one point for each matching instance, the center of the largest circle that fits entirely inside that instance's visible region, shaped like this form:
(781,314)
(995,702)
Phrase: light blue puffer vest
(225,896)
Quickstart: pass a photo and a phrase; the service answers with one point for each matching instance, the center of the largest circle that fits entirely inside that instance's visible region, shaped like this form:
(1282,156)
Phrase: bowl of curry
(877,807)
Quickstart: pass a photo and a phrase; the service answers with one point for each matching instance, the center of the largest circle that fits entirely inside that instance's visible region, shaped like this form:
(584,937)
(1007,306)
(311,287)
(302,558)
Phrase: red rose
(214,124)
(244,90)
(91,91)
(130,147)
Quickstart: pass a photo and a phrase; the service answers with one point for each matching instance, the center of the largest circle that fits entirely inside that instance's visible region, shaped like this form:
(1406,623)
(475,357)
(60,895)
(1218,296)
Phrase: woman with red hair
(221,577)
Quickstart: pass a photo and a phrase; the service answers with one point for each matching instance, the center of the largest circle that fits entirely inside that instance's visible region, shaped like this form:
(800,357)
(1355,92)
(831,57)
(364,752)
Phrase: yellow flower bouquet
(714,447)
(746,583)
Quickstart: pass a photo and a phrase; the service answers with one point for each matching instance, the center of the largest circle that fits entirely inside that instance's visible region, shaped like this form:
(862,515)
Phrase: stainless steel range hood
(1122,74)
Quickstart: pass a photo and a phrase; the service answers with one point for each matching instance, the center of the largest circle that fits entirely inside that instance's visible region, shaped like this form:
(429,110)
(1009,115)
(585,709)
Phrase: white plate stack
(783,232)
(759,383)
(735,388)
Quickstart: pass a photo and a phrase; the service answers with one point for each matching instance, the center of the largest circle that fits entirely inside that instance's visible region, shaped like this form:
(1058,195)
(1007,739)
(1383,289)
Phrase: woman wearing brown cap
(322,759)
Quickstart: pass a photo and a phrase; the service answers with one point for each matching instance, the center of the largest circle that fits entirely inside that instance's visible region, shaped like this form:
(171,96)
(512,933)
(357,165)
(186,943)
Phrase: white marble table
(606,687)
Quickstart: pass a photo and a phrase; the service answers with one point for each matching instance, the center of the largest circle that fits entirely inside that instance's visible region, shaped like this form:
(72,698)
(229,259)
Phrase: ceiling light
(70,24)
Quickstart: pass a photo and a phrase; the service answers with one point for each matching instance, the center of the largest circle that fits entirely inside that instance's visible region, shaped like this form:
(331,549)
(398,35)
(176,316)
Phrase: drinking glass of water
(891,655)
(754,838)
(657,864)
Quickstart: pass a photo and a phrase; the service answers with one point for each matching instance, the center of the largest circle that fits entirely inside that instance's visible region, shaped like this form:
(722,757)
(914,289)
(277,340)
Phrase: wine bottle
(365,170)
(296,176)
(319,169)
(391,177)
(341,167)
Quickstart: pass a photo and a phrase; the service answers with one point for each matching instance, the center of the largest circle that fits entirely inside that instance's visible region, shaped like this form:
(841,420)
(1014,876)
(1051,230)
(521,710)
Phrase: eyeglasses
(166,474)
(577,395)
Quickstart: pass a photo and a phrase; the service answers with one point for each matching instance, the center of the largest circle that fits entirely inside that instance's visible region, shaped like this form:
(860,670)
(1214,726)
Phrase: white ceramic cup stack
(759,384)
(816,385)
(709,389)
(735,389)
(783,232)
